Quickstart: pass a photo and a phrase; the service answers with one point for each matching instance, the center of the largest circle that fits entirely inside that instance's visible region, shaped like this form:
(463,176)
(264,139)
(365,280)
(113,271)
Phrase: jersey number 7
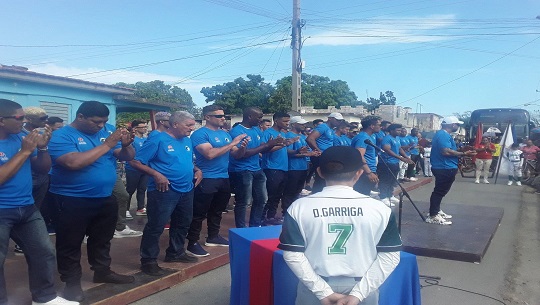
(343,231)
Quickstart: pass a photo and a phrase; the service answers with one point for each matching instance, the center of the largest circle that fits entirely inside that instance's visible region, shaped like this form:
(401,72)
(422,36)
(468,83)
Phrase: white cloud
(192,86)
(381,31)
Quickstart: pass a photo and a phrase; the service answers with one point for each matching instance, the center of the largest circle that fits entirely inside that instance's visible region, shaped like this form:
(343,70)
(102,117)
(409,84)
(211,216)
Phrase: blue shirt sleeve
(199,137)
(148,150)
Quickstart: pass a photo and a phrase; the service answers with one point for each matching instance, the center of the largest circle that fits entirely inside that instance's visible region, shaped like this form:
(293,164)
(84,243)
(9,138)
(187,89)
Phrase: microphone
(368,142)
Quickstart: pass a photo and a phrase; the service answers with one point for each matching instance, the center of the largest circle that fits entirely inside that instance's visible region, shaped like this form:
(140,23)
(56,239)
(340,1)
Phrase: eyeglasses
(16,117)
(217,116)
(141,127)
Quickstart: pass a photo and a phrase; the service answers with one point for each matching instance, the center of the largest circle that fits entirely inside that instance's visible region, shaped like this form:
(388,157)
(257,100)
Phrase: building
(427,121)
(62,96)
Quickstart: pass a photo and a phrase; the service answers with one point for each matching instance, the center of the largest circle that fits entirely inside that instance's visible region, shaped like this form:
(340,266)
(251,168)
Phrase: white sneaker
(393,199)
(57,301)
(127,232)
(128,215)
(387,202)
(438,220)
(444,215)
(518,183)
(413,179)
(510,182)
(486,181)
(477,181)
(373,193)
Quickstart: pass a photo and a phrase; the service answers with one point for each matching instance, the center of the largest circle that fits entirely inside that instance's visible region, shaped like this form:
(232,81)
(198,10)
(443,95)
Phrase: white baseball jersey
(340,231)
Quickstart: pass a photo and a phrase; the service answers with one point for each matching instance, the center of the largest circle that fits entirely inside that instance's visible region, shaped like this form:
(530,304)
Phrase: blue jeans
(162,206)
(444,178)
(248,185)
(387,178)
(26,227)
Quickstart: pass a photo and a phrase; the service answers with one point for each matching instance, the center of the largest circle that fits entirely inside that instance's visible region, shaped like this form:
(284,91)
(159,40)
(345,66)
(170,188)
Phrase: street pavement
(508,273)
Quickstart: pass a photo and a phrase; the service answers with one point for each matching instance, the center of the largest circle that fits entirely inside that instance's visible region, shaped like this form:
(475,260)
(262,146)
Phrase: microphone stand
(401,194)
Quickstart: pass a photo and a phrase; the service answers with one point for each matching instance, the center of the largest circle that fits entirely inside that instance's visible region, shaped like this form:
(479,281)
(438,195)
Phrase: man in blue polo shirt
(299,154)
(405,145)
(414,154)
(167,158)
(275,165)
(444,162)
(321,138)
(369,179)
(83,174)
(388,168)
(382,133)
(19,217)
(212,146)
(247,178)
(136,180)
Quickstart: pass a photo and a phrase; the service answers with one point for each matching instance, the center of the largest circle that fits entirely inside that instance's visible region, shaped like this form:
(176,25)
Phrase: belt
(326,278)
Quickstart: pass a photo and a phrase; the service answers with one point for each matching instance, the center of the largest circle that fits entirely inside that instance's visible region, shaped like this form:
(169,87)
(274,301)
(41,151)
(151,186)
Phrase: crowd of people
(64,179)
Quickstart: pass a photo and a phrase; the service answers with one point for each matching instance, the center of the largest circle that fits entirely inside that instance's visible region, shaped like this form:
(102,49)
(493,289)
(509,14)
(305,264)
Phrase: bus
(499,118)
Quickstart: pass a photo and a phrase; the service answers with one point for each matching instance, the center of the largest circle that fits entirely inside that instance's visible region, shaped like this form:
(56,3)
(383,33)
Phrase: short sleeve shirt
(379,136)
(137,144)
(93,181)
(326,138)
(297,163)
(277,159)
(370,154)
(404,141)
(395,145)
(250,163)
(442,140)
(413,141)
(171,157)
(340,231)
(342,140)
(217,167)
(17,190)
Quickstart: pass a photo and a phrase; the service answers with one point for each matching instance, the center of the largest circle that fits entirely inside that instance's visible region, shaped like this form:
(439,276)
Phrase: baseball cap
(162,116)
(340,159)
(297,120)
(451,120)
(336,115)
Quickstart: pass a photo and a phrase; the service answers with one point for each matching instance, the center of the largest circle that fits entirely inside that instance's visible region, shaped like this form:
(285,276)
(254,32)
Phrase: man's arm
(388,149)
(42,162)
(10,168)
(265,147)
(312,140)
(162,183)
(371,175)
(301,267)
(210,152)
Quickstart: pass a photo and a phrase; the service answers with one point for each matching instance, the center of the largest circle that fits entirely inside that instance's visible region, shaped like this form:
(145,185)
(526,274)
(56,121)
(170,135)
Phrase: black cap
(340,159)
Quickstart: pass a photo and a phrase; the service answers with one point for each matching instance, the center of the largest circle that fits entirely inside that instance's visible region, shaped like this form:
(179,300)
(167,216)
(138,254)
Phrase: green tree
(241,93)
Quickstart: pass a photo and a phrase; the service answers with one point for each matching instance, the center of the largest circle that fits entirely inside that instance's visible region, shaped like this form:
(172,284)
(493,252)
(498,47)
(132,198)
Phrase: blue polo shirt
(250,163)
(378,137)
(137,144)
(297,163)
(93,181)
(414,142)
(277,159)
(17,190)
(404,141)
(370,154)
(441,140)
(171,157)
(342,140)
(326,138)
(217,167)
(395,145)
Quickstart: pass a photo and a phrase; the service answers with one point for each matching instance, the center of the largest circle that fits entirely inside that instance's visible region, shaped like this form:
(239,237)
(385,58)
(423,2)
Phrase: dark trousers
(293,187)
(210,200)
(411,168)
(364,185)
(275,186)
(162,206)
(443,182)
(387,180)
(40,186)
(318,183)
(121,196)
(26,227)
(76,217)
(136,181)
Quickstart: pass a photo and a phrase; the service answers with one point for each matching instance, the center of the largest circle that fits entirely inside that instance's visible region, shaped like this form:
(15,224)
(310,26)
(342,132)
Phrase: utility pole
(296,59)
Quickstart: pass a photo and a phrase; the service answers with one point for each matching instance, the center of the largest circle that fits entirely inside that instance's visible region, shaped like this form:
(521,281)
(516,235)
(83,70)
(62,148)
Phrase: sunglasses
(44,118)
(16,117)
(217,116)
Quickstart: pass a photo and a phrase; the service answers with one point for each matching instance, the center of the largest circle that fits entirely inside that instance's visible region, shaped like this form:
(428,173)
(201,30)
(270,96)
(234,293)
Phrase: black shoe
(113,278)
(152,269)
(184,258)
(73,292)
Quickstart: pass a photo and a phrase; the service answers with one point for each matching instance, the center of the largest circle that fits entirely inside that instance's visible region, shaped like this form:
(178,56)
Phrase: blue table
(401,288)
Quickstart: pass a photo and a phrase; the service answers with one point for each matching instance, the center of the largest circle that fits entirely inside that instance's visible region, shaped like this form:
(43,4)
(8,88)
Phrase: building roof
(22,74)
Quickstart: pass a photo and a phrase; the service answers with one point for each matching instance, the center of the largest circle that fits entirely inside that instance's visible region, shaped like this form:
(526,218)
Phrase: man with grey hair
(167,158)
(162,122)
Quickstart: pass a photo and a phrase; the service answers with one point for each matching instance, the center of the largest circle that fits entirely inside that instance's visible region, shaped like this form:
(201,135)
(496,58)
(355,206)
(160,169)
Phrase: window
(57,109)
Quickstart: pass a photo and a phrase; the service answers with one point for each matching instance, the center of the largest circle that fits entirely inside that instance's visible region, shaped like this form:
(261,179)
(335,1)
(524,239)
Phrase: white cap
(451,120)
(297,120)
(336,115)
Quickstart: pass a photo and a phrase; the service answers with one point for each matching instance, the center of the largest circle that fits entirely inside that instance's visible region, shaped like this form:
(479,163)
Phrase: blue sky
(440,56)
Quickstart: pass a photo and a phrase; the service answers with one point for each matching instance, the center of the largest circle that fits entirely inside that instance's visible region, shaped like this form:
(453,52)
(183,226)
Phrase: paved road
(508,274)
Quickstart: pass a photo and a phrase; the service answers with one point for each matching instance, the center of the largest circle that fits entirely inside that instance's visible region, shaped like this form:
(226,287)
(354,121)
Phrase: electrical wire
(434,282)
